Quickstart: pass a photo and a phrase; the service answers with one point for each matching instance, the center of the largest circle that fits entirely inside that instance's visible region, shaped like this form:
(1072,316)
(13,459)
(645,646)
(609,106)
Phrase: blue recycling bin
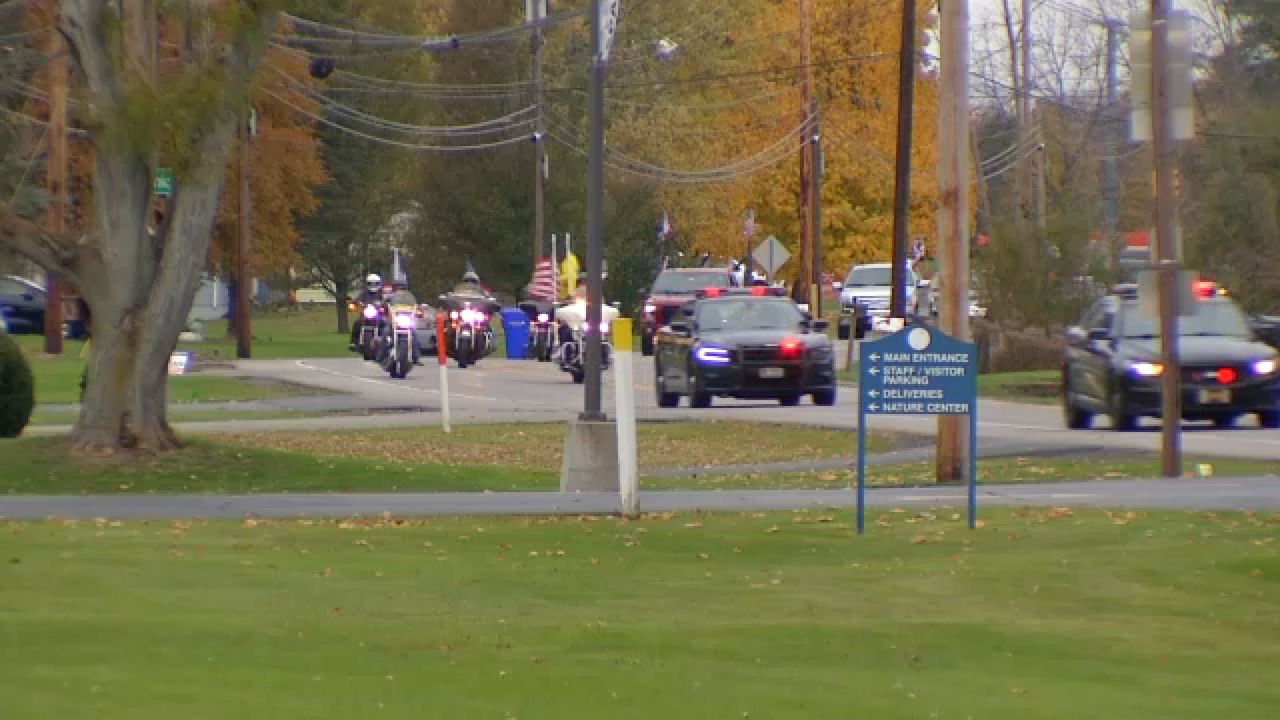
(515,327)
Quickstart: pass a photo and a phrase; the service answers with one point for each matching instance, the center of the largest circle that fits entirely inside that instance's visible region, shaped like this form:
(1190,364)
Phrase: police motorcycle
(370,306)
(572,332)
(542,329)
(398,351)
(468,331)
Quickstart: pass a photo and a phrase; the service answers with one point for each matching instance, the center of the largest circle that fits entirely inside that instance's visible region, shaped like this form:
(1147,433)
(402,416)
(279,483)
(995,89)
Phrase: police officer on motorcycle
(371,295)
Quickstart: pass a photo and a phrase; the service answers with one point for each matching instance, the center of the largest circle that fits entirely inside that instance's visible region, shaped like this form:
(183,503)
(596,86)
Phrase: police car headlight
(1265,367)
(650,308)
(1147,369)
(710,355)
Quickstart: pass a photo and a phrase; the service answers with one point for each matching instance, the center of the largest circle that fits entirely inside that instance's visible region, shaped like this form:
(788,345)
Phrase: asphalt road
(1200,494)
(499,390)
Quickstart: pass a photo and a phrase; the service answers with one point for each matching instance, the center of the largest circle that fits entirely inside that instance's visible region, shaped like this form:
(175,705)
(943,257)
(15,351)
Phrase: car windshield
(869,276)
(1213,318)
(689,282)
(749,314)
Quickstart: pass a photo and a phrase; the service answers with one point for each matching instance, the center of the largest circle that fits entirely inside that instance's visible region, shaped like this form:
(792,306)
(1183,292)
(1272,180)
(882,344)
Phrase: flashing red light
(790,347)
(712,292)
(759,290)
(1205,288)
(1227,375)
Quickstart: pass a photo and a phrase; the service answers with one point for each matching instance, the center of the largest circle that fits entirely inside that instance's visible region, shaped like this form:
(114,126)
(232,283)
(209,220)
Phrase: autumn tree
(137,119)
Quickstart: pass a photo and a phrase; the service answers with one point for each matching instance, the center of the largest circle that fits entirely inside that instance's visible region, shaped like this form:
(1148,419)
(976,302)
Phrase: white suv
(871,286)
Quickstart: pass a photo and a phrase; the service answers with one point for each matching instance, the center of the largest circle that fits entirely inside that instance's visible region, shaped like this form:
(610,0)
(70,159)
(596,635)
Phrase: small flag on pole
(664,227)
(749,224)
(543,286)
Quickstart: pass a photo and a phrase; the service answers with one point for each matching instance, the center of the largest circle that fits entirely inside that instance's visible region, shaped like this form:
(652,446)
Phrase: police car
(1112,364)
(750,343)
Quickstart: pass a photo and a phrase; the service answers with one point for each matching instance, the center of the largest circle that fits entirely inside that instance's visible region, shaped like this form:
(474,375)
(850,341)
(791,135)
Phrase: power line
(838,62)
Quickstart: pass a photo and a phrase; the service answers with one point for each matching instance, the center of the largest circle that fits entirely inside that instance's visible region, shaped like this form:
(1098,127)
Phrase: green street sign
(164,182)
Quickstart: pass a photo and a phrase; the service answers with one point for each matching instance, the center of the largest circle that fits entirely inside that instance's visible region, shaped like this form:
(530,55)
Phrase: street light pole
(595,219)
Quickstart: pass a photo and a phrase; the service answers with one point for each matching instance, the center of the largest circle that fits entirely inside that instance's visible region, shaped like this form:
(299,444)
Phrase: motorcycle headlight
(650,308)
(405,321)
(370,312)
(604,328)
(453,314)
(542,317)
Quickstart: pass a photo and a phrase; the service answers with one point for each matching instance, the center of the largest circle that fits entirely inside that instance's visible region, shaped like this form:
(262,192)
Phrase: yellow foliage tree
(855,76)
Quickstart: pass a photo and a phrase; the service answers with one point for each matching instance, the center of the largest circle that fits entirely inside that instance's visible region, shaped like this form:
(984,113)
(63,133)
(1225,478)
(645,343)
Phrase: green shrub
(17,388)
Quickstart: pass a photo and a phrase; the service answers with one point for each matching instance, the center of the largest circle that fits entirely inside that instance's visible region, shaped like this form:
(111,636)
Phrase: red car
(673,288)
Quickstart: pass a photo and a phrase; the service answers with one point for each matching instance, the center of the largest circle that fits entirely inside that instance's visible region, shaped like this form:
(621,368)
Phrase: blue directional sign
(918,370)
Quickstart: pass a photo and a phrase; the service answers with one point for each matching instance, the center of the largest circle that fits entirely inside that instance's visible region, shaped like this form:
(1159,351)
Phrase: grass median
(471,458)
(782,615)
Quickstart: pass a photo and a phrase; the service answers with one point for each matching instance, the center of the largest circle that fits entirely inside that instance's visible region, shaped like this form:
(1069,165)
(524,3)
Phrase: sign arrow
(874,371)
(874,356)
(874,393)
(873,407)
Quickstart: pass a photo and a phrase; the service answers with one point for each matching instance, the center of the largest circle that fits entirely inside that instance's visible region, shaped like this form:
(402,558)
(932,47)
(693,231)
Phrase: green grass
(994,470)
(473,457)
(309,332)
(783,615)
(178,414)
(1033,386)
(58,380)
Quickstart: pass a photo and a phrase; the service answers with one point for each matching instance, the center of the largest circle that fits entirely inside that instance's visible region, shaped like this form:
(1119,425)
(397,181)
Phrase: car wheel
(646,345)
(1224,422)
(1121,421)
(1269,419)
(789,400)
(825,398)
(579,376)
(1076,418)
(697,399)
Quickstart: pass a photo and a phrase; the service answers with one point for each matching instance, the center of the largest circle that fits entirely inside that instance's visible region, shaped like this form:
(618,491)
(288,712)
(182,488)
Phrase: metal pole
(1110,174)
(56,180)
(625,400)
(1166,226)
(902,161)
(243,274)
(539,148)
(595,220)
(953,215)
(815,203)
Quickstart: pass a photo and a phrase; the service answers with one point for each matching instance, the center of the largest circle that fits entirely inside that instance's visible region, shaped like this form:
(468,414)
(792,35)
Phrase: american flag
(543,286)
(664,227)
(749,224)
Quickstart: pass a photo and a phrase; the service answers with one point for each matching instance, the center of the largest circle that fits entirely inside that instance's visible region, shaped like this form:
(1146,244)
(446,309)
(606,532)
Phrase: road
(1200,494)
(499,390)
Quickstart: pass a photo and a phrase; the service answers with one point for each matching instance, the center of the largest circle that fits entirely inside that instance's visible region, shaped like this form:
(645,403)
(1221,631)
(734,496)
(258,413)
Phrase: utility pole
(953,215)
(804,256)
(1041,165)
(1163,137)
(902,160)
(537,10)
(243,242)
(1110,174)
(56,178)
(595,216)
(815,200)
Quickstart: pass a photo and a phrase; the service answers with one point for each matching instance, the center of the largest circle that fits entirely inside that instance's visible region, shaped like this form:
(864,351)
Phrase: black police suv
(1112,364)
(750,343)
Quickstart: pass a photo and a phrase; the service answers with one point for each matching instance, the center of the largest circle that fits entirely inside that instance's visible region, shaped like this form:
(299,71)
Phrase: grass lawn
(783,615)
(309,332)
(58,380)
(472,458)
(540,446)
(994,470)
(179,414)
(1033,386)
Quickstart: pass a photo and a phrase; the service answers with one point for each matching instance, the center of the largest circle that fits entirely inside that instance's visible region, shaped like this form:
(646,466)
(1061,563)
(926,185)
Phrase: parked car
(1112,365)
(22,304)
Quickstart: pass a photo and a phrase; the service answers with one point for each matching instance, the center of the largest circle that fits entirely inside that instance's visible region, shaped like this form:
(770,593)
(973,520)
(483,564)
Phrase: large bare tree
(140,286)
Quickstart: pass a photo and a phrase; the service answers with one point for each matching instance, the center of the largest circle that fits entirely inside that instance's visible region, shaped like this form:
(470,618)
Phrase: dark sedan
(22,304)
(750,344)
(1113,368)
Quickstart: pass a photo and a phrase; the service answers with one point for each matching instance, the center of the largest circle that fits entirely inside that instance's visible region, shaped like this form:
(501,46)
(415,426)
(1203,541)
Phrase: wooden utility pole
(815,204)
(804,258)
(902,164)
(1163,138)
(1029,152)
(537,11)
(1110,173)
(56,176)
(244,277)
(953,215)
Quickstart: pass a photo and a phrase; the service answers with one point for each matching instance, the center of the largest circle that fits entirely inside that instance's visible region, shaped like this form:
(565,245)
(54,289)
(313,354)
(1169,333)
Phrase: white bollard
(443,356)
(625,407)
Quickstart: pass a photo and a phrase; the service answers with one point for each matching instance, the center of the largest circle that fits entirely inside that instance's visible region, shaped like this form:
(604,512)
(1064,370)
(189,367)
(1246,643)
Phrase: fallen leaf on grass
(919,540)
(693,525)
(773,529)
(1257,572)
(703,556)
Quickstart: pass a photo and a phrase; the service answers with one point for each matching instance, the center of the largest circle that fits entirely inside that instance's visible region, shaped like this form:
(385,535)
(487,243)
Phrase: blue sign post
(918,370)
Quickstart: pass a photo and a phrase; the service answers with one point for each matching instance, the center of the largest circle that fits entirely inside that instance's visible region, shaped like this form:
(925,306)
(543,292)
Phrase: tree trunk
(340,302)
